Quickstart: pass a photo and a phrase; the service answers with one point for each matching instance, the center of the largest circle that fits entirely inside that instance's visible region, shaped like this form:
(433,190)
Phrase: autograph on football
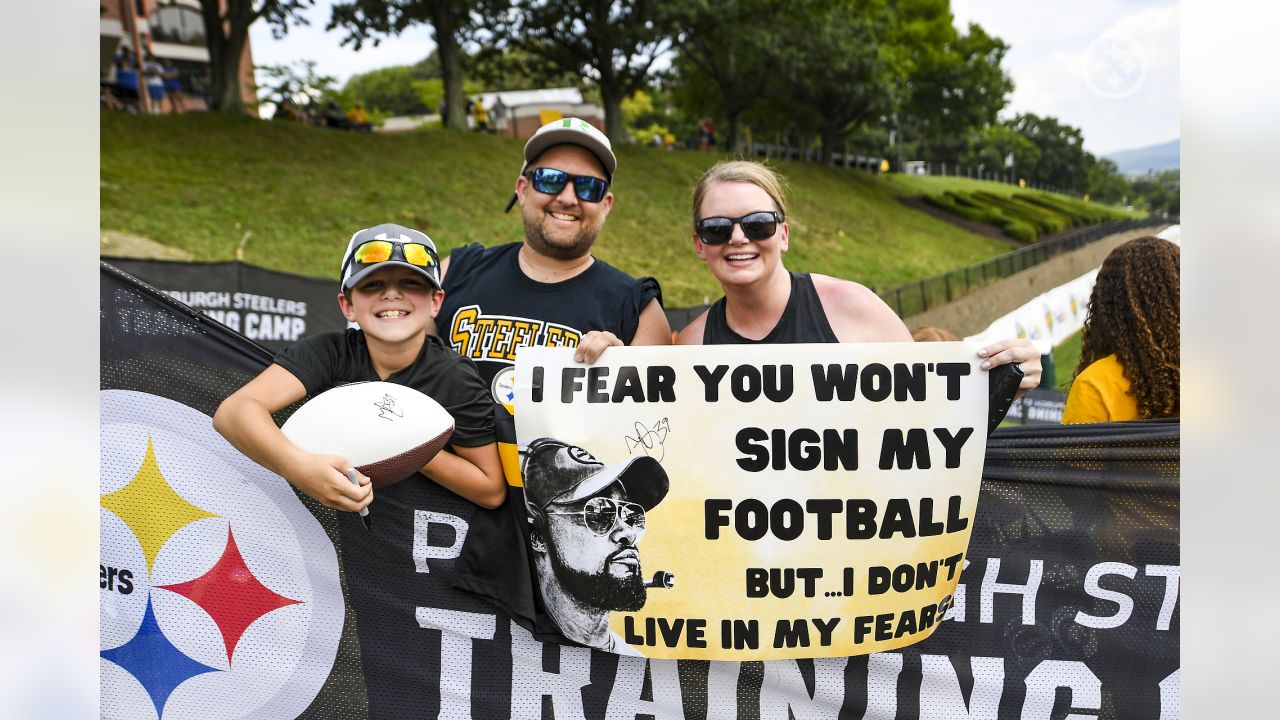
(387,409)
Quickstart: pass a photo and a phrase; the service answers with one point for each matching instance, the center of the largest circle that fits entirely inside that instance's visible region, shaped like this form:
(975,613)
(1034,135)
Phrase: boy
(391,289)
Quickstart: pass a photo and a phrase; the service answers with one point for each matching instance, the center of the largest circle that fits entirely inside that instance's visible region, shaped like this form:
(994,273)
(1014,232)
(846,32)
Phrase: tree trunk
(225,41)
(611,95)
(734,120)
(830,136)
(230,98)
(455,102)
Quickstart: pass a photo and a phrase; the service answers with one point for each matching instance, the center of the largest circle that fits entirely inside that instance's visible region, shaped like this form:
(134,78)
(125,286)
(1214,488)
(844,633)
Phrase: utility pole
(144,92)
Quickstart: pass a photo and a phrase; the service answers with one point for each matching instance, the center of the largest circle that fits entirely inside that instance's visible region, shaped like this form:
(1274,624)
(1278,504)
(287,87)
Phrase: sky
(1108,67)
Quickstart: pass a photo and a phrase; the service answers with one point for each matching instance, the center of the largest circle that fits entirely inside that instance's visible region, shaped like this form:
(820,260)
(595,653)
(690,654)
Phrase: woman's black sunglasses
(759,225)
(551,181)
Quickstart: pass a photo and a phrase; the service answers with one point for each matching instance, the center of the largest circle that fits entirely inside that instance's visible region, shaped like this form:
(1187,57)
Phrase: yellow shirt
(1101,394)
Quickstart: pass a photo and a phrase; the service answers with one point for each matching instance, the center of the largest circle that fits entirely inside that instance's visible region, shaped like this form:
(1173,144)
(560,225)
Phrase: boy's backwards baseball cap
(396,237)
(556,472)
(569,131)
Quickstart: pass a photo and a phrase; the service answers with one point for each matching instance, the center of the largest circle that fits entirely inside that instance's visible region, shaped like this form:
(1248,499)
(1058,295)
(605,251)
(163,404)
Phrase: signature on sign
(650,439)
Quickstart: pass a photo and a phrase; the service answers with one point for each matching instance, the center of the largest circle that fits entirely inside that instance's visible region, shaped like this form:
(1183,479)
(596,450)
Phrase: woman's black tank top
(803,320)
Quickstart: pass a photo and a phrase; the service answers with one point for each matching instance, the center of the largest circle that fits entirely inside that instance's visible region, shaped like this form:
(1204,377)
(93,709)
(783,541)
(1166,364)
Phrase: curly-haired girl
(1129,351)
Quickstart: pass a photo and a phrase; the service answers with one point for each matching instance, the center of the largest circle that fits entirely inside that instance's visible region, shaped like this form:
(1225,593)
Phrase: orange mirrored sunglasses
(376,251)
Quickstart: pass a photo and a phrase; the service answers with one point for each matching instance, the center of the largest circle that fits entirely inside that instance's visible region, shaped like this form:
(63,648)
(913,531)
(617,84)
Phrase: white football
(386,431)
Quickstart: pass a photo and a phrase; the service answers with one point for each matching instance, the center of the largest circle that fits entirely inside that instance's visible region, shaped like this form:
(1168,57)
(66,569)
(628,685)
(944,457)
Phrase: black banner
(1068,602)
(1040,406)
(274,309)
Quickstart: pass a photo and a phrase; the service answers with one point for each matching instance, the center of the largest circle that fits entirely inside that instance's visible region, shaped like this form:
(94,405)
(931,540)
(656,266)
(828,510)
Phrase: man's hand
(324,477)
(593,345)
(1019,351)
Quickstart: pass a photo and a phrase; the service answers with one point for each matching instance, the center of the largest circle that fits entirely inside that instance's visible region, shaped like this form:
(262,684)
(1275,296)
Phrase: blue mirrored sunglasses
(551,181)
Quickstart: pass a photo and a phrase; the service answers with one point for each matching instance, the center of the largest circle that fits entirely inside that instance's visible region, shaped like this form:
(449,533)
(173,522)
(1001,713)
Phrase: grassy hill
(200,182)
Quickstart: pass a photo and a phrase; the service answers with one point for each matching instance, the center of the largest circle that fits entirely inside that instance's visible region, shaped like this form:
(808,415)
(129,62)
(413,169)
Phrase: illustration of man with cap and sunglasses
(586,519)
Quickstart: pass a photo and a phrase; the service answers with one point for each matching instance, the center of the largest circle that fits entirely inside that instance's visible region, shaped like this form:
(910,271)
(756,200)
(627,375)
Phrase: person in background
(173,86)
(359,119)
(740,231)
(153,71)
(334,117)
(707,135)
(287,110)
(108,101)
(1129,347)
(126,76)
(929,333)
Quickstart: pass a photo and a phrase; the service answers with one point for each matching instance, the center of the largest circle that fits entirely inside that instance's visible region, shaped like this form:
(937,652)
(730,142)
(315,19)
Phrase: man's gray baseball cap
(569,131)
(556,472)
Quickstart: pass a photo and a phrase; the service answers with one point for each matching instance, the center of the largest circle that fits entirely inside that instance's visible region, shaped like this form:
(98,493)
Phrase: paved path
(118,244)
(974,312)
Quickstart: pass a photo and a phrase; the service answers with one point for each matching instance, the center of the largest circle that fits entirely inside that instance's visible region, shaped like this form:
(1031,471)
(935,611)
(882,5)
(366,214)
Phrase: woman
(1129,348)
(740,232)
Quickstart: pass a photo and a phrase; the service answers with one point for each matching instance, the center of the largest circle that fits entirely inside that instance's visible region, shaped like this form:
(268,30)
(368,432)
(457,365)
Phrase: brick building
(172,30)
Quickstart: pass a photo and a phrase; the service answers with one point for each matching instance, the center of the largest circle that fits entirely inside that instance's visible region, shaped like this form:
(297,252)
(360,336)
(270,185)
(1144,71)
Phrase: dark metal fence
(918,296)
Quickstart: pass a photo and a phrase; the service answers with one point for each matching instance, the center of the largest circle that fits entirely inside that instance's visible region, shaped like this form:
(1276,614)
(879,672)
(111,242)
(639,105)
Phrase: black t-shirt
(331,359)
(803,320)
(491,307)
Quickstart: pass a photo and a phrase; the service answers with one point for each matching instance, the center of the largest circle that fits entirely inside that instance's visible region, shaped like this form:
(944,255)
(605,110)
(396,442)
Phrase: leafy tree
(955,88)
(452,23)
(394,90)
(1160,192)
(298,82)
(726,71)
(1061,162)
(431,91)
(405,89)
(614,42)
(1103,181)
(840,69)
(512,68)
(994,143)
(226,34)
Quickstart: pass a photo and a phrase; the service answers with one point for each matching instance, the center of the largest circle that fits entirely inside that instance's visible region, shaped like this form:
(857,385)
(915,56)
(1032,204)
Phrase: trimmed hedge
(1022,216)
(1084,213)
(1043,220)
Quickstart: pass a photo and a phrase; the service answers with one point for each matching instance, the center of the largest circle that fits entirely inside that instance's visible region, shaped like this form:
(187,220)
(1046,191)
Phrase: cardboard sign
(751,503)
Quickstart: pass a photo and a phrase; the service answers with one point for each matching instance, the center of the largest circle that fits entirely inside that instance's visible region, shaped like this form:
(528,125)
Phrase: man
(548,290)
(586,520)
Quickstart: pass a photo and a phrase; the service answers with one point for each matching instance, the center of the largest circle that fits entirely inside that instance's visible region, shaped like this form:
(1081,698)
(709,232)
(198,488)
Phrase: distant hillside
(1152,158)
(207,184)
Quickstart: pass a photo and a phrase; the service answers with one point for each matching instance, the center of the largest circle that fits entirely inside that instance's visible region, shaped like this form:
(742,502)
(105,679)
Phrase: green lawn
(1065,358)
(927,184)
(200,182)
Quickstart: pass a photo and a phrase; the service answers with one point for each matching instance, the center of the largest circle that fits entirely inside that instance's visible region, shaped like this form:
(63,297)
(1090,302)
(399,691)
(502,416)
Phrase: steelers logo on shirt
(504,389)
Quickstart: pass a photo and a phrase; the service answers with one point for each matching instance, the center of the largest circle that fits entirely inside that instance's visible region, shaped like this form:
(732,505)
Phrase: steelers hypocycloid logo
(503,388)
(219,590)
